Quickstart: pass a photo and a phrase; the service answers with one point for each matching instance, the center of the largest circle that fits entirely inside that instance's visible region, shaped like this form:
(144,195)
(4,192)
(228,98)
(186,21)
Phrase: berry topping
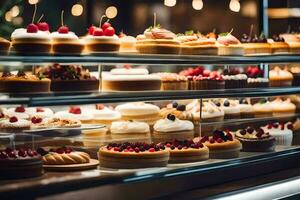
(181,107)
(151,150)
(226,103)
(269,126)
(13,119)
(92,29)
(21,73)
(250,130)
(98,32)
(259,133)
(136,149)
(105,25)
(110,31)
(204,139)
(275,125)
(100,106)
(12,154)
(243,132)
(219,140)
(40,110)
(75,110)
(63,30)
(22,153)
(290,126)
(229,136)
(60,150)
(174,104)
(43,26)
(32,28)
(212,141)
(6,74)
(2,115)
(243,101)
(171,117)
(3,155)
(36,120)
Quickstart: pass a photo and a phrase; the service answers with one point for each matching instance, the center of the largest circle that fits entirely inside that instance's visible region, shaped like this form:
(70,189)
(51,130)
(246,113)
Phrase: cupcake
(129,130)
(263,109)
(172,81)
(282,108)
(172,128)
(14,125)
(229,45)
(75,113)
(127,43)
(283,132)
(66,42)
(280,78)
(246,109)
(102,38)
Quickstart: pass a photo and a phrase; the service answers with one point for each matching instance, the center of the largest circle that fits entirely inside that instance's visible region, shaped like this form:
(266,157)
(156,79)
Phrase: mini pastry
(69,78)
(39,112)
(65,42)
(130,79)
(278,45)
(38,122)
(20,112)
(293,40)
(127,43)
(283,132)
(235,81)
(172,128)
(178,110)
(246,109)
(212,112)
(172,81)
(129,129)
(20,163)
(256,45)
(255,140)
(222,145)
(105,115)
(282,108)
(231,109)
(263,109)
(133,155)
(4,46)
(139,111)
(14,125)
(280,78)
(229,45)
(102,38)
(23,83)
(185,151)
(75,113)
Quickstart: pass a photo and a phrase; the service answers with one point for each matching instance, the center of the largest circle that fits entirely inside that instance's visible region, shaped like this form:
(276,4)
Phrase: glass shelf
(114,58)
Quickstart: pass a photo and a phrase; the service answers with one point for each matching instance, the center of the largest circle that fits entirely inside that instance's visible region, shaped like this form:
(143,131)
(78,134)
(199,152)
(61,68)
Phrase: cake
(65,42)
(211,112)
(69,78)
(178,110)
(229,45)
(263,108)
(256,77)
(105,115)
(130,79)
(20,112)
(278,45)
(282,107)
(39,112)
(53,122)
(20,163)
(139,111)
(222,145)
(14,125)
(127,43)
(185,151)
(129,129)
(77,113)
(23,83)
(133,155)
(172,81)
(171,128)
(283,132)
(246,109)
(256,45)
(230,108)
(295,70)
(235,81)
(4,46)
(280,78)
(157,40)
(255,140)
(293,40)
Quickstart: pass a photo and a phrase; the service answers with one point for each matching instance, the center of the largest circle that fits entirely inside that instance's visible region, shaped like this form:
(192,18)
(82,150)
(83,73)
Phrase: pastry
(127,43)
(280,78)
(172,81)
(295,70)
(139,111)
(157,40)
(133,155)
(255,140)
(256,45)
(20,163)
(178,110)
(14,125)
(283,132)
(235,81)
(20,112)
(246,109)
(293,40)
(263,109)
(105,115)
(171,128)
(4,46)
(229,45)
(130,79)
(69,78)
(184,151)
(278,45)
(102,39)
(23,83)
(211,112)
(282,108)
(230,108)
(129,129)
(77,113)
(39,112)
(37,122)
(222,145)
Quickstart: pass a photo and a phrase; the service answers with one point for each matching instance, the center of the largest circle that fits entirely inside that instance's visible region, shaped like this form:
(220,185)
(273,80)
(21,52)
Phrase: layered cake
(77,113)
(205,83)
(130,79)
(139,111)
(172,81)
(184,151)
(255,140)
(230,108)
(222,145)
(69,78)
(229,45)
(20,163)
(133,155)
(23,83)
(280,78)
(278,45)
(129,129)
(14,125)
(282,132)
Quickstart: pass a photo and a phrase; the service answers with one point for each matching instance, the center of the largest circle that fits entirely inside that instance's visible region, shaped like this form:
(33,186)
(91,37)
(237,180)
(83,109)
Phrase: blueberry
(226,103)
(174,104)
(181,107)
(171,117)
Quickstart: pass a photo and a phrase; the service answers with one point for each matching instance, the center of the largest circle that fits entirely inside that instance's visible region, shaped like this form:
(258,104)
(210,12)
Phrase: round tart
(229,45)
(283,132)
(255,140)
(222,145)
(14,125)
(20,163)
(186,151)
(20,112)
(133,155)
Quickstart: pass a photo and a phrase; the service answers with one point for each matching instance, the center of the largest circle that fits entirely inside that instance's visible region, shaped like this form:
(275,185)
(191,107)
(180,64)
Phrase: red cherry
(36,120)
(212,140)
(100,106)
(75,110)
(32,28)
(13,119)
(116,149)
(98,32)
(110,31)
(60,150)
(290,126)
(40,110)
(2,115)
(63,30)
(43,26)
(151,150)
(219,140)
(20,109)
(105,25)
(92,29)
(127,66)
(12,154)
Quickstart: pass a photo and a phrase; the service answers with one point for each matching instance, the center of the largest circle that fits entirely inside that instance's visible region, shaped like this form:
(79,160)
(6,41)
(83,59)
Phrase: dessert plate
(73,167)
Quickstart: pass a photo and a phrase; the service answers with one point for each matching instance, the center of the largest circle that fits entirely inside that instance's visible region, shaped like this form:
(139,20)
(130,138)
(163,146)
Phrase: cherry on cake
(14,125)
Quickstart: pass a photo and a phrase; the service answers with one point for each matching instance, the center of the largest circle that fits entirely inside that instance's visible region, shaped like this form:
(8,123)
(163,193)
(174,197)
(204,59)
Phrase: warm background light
(170,3)
(235,5)
(111,12)
(33,1)
(15,11)
(77,10)
(197,4)
(8,16)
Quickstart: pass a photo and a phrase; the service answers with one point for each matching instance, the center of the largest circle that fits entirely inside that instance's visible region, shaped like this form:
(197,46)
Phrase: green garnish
(190,32)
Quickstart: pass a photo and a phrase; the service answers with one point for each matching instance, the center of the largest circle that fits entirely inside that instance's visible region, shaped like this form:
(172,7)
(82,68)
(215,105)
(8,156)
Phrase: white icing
(22,33)
(210,110)
(20,115)
(122,127)
(47,113)
(105,114)
(67,115)
(262,107)
(69,35)
(130,77)
(131,71)
(280,105)
(257,80)
(137,108)
(278,131)
(103,37)
(166,125)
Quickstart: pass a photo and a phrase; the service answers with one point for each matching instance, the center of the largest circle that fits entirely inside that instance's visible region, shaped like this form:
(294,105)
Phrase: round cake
(127,43)
(129,129)
(283,132)
(173,81)
(263,109)
(133,155)
(104,115)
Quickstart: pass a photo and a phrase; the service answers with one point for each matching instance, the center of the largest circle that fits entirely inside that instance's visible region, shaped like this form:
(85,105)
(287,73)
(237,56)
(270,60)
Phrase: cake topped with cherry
(229,45)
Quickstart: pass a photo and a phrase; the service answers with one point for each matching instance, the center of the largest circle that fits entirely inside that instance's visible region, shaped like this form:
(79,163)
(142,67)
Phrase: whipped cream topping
(210,110)
(166,125)
(290,37)
(278,73)
(10,112)
(129,71)
(279,105)
(257,80)
(232,108)
(106,114)
(67,115)
(187,38)
(280,129)
(70,35)
(158,33)
(128,39)
(235,77)
(40,112)
(262,107)
(22,33)
(137,108)
(244,108)
(228,40)
(123,127)
(113,38)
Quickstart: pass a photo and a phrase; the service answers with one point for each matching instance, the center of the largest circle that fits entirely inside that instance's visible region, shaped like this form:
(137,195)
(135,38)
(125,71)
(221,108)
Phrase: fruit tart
(23,83)
(76,113)
(102,38)
(69,78)
(229,45)
(133,155)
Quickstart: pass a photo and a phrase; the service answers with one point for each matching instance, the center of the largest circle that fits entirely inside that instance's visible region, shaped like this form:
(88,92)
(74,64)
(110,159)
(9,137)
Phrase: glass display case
(213,119)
